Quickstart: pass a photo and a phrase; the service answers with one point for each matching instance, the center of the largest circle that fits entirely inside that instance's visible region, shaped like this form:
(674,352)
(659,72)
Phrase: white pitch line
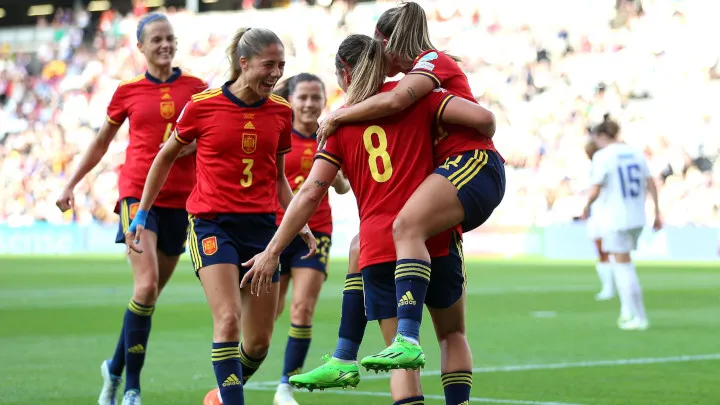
(435,397)
(550,366)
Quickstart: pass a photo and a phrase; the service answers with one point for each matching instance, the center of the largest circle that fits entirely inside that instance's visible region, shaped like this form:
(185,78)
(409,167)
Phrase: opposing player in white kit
(603,266)
(620,178)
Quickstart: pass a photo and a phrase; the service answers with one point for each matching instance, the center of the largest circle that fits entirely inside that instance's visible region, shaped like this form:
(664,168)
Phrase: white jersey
(622,173)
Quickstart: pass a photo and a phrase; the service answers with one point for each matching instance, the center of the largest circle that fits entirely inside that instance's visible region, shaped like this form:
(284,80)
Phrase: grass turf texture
(538,337)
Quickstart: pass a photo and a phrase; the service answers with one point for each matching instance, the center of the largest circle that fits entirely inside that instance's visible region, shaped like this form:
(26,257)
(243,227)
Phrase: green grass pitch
(538,337)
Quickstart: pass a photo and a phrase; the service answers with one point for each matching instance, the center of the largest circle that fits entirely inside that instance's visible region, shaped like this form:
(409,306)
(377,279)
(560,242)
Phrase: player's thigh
(449,320)
(221,284)
(447,282)
(379,291)
(258,312)
(354,255)
(166,267)
(621,241)
(433,208)
(283,286)
(479,180)
(307,283)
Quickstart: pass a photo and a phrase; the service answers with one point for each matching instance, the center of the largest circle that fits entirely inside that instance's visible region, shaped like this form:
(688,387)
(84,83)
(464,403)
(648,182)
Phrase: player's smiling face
(263,71)
(158,43)
(307,101)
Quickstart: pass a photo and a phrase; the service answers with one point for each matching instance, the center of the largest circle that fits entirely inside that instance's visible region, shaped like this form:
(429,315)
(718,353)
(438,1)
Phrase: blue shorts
(230,239)
(292,255)
(479,176)
(447,284)
(169,224)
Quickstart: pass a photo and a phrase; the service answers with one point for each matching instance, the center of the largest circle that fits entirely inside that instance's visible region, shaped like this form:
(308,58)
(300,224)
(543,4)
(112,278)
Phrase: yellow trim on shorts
(124,215)
(194,250)
(470,169)
(458,245)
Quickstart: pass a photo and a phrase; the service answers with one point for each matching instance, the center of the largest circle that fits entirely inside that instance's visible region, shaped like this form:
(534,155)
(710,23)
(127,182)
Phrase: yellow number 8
(378,152)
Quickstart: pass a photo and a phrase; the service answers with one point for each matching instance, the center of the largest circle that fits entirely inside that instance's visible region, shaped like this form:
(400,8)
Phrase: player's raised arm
(459,111)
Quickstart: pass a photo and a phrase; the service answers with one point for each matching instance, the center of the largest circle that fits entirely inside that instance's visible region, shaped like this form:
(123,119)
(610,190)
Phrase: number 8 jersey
(622,173)
(385,161)
(237,145)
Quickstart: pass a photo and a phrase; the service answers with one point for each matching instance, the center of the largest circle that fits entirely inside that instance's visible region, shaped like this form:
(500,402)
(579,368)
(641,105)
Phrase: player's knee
(257,345)
(354,255)
(301,312)
(450,340)
(226,324)
(404,228)
(146,291)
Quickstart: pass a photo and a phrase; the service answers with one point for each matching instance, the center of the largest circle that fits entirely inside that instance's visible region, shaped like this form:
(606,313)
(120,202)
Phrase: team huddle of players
(239,174)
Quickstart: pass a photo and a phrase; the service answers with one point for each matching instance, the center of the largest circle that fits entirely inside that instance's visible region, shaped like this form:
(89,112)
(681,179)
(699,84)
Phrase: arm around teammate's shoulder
(466,113)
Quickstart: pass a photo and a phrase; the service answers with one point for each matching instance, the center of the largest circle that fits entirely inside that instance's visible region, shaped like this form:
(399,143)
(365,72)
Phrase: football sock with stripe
(249,364)
(352,319)
(296,350)
(138,320)
(412,277)
(457,385)
(228,372)
(411,401)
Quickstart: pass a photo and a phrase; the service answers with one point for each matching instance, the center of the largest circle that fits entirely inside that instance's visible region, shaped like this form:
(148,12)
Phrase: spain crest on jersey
(210,246)
(167,109)
(249,142)
(306,164)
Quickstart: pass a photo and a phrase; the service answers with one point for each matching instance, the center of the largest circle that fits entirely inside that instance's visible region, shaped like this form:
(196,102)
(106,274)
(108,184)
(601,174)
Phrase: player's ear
(347,77)
(244,63)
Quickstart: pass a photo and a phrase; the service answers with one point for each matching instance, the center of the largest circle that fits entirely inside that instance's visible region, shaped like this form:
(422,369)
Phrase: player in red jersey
(469,180)
(385,160)
(151,102)
(306,94)
(242,132)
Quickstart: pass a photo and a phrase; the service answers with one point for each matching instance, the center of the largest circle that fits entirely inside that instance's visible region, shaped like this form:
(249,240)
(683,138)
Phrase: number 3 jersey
(153,107)
(237,145)
(298,163)
(385,161)
(622,173)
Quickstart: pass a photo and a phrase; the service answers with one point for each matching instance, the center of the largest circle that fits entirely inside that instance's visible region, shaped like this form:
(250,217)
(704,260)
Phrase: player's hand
(66,200)
(135,231)
(310,240)
(657,225)
(262,268)
(586,213)
(327,128)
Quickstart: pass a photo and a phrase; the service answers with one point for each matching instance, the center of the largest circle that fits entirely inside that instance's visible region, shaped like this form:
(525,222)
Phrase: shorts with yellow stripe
(479,176)
(446,287)
(230,239)
(169,224)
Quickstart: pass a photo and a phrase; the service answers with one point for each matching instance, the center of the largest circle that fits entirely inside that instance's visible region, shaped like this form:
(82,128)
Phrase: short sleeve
(285,142)
(598,170)
(186,130)
(117,109)
(332,152)
(435,65)
(437,102)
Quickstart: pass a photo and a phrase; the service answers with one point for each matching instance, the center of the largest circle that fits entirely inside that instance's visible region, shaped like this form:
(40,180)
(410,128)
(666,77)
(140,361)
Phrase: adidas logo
(464,403)
(249,125)
(407,299)
(232,380)
(137,349)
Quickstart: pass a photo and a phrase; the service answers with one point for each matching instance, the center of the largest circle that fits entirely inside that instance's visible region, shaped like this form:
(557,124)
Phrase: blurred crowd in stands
(547,69)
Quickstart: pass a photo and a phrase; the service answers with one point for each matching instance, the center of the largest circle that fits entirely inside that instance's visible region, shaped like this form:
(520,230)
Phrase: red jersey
(385,161)
(237,144)
(450,140)
(152,107)
(297,167)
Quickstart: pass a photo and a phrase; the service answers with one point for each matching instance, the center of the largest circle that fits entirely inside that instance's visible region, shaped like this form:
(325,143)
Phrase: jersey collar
(227,93)
(176,73)
(296,133)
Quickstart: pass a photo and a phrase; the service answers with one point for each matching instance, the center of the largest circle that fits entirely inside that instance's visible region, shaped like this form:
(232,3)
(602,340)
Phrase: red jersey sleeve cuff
(427,73)
(180,139)
(112,121)
(441,109)
(283,151)
(325,155)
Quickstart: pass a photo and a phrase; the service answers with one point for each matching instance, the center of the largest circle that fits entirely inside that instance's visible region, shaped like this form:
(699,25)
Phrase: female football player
(242,132)
(151,102)
(384,168)
(468,182)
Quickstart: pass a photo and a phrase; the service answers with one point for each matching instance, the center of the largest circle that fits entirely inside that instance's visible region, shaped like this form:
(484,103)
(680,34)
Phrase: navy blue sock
(117,364)
(412,277)
(411,401)
(138,320)
(228,372)
(352,319)
(296,350)
(249,364)
(457,387)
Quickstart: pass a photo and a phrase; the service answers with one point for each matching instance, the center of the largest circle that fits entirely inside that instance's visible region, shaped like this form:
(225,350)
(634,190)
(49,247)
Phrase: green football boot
(333,374)
(401,354)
